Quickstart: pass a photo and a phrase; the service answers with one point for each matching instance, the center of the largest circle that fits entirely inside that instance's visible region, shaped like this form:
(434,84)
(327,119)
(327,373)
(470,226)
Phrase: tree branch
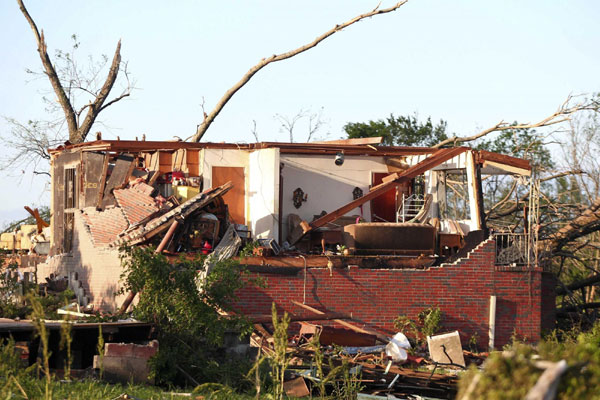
(586,223)
(95,108)
(496,214)
(561,115)
(209,118)
(51,72)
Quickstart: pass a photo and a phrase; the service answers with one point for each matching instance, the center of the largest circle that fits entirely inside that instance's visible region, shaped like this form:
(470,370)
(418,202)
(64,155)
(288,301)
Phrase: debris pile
(360,360)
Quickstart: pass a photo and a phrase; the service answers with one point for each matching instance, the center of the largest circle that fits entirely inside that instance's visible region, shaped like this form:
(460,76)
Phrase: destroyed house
(348,227)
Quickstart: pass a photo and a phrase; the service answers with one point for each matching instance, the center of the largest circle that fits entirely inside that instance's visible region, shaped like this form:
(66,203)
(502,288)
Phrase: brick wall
(376,297)
(99,268)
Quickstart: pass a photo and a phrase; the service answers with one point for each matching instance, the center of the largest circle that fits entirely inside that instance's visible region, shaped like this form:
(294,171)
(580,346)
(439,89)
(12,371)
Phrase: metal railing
(410,207)
(514,249)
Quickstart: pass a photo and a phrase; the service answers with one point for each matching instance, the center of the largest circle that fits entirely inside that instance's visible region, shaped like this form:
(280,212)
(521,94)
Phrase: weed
(100,350)
(280,359)
(429,323)
(66,338)
(430,320)
(37,318)
(188,326)
(512,374)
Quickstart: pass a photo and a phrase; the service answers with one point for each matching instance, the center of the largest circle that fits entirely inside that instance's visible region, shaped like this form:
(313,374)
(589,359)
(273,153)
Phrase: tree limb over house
(210,117)
(562,114)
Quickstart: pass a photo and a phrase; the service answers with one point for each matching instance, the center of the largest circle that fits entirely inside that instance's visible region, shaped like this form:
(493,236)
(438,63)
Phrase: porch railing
(514,249)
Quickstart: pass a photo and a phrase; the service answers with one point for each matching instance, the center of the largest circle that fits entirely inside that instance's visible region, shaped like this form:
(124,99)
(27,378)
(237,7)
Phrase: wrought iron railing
(514,249)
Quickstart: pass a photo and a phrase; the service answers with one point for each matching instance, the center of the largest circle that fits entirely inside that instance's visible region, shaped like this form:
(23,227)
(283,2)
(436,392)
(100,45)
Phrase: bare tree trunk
(77,134)
(210,117)
(51,72)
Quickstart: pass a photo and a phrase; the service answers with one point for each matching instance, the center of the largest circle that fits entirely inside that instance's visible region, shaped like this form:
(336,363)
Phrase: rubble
(378,374)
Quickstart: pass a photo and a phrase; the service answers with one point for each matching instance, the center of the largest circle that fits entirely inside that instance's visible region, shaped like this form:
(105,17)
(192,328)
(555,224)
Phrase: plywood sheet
(93,178)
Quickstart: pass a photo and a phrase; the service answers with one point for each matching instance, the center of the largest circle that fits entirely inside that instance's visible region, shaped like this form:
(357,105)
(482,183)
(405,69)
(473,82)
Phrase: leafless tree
(314,122)
(72,81)
(29,143)
(210,117)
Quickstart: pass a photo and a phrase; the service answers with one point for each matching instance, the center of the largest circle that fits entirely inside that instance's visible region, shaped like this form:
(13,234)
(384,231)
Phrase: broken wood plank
(120,175)
(102,182)
(347,324)
(329,335)
(93,177)
(520,163)
(41,224)
(267,318)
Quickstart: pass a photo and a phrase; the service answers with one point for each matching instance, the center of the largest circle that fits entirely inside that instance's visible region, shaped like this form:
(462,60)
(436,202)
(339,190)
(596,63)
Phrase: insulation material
(227,248)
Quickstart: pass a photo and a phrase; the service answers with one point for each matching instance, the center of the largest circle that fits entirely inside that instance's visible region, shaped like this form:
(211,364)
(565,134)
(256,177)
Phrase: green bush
(189,328)
(512,374)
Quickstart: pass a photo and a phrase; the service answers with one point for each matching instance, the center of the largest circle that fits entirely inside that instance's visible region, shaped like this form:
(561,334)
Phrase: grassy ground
(27,387)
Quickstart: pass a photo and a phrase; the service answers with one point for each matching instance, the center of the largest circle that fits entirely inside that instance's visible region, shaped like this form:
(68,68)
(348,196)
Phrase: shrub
(189,327)
(510,375)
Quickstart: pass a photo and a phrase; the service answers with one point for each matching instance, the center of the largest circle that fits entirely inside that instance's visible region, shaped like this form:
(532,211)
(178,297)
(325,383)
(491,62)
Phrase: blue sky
(471,63)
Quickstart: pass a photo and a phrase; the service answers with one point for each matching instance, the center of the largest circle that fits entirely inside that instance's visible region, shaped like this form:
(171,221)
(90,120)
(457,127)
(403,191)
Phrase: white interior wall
(262,211)
(328,186)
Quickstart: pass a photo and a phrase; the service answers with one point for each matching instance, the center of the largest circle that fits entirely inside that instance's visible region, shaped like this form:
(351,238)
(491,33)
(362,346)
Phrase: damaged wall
(99,268)
(377,296)
(263,193)
(326,185)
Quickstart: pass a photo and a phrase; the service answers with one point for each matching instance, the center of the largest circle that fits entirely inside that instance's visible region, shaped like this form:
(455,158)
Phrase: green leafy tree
(400,131)
(189,326)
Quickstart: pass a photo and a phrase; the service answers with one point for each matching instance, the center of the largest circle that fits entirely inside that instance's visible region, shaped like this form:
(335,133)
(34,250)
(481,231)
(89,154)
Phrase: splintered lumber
(160,223)
(41,224)
(382,338)
(435,159)
(505,160)
(329,335)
